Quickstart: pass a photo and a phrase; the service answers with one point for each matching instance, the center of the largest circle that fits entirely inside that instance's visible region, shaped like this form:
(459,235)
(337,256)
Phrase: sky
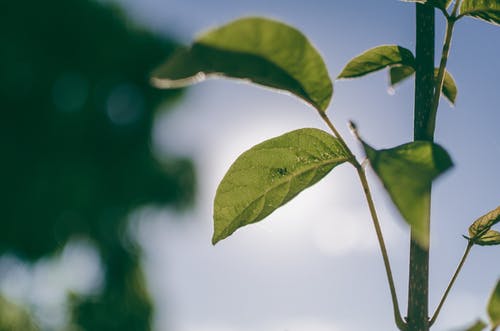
(314,264)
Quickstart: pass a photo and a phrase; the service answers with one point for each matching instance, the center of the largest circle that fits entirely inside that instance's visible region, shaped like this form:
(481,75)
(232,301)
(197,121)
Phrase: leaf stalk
(450,24)
(400,323)
(452,281)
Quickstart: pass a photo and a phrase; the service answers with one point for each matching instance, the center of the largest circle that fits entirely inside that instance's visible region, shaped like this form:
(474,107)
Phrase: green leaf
(487,10)
(377,58)
(477,326)
(407,172)
(270,174)
(490,238)
(400,72)
(494,307)
(259,50)
(441,4)
(480,231)
(449,89)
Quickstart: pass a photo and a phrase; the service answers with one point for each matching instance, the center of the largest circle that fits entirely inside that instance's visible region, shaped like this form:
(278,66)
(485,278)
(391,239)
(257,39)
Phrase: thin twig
(452,281)
(378,230)
(450,24)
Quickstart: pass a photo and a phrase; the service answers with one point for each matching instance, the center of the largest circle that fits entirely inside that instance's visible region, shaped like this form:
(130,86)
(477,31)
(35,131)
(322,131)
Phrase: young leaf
(399,73)
(377,58)
(441,4)
(490,238)
(449,89)
(477,326)
(480,231)
(407,172)
(494,307)
(259,50)
(270,174)
(487,10)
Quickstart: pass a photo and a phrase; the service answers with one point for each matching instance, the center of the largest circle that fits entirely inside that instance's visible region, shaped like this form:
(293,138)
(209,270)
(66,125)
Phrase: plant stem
(397,314)
(329,123)
(452,281)
(450,24)
(378,230)
(418,285)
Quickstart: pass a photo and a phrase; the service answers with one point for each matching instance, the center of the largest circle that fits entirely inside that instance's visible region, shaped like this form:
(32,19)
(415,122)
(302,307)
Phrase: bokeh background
(107,183)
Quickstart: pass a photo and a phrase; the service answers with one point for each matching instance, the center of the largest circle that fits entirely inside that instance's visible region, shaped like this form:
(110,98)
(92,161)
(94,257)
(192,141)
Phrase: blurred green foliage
(76,113)
(14,318)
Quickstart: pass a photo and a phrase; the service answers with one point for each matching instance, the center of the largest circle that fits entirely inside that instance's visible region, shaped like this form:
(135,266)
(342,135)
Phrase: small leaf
(270,174)
(477,326)
(487,10)
(407,172)
(377,58)
(441,4)
(259,50)
(480,231)
(494,307)
(399,73)
(449,89)
(490,238)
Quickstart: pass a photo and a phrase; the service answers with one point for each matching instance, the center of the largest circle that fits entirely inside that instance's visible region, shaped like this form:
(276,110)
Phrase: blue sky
(314,264)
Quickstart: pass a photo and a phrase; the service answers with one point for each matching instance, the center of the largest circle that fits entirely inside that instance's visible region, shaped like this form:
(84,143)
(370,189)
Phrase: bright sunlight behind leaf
(260,50)
(270,174)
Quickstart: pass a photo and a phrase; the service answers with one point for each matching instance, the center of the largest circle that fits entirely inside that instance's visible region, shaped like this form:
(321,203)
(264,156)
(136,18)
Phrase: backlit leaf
(270,174)
(494,307)
(399,73)
(407,172)
(480,231)
(259,50)
(377,58)
(487,10)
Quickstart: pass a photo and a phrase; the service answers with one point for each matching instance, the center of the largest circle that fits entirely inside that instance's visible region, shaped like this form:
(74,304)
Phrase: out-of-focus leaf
(399,73)
(487,10)
(480,231)
(494,307)
(259,50)
(407,172)
(377,58)
(270,174)
(15,318)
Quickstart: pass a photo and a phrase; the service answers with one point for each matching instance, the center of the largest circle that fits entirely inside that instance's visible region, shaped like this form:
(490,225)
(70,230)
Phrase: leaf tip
(216,237)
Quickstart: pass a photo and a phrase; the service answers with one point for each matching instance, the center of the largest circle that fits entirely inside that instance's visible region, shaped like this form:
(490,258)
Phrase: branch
(378,230)
(452,281)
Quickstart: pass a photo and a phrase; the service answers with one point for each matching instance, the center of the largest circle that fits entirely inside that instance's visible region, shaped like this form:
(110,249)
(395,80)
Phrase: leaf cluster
(270,174)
